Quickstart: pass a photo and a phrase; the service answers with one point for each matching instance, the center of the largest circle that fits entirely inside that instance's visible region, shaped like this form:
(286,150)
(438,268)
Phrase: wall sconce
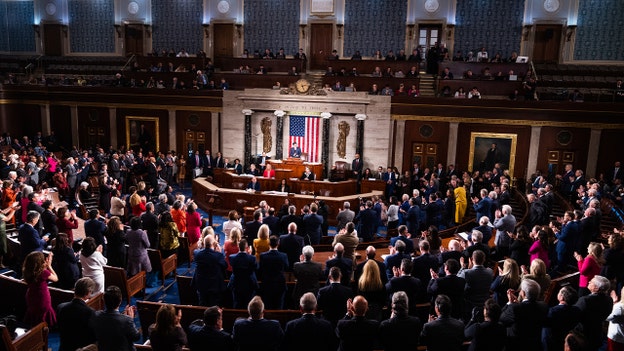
(449,31)
(148,30)
(239,30)
(410,31)
(570,32)
(303,33)
(37,29)
(339,26)
(206,30)
(526,30)
(118,30)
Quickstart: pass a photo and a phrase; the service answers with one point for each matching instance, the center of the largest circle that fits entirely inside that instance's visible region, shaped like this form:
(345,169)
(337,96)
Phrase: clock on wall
(551,5)
(302,86)
(223,6)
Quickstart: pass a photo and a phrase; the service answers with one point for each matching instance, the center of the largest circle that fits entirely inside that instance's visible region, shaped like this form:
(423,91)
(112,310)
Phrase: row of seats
(572,69)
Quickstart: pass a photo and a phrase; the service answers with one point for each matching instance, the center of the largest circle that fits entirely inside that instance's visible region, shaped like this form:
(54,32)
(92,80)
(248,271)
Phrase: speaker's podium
(295,167)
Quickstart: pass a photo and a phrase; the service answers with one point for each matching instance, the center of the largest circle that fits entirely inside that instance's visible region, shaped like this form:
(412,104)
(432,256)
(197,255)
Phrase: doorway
(223,40)
(134,39)
(53,39)
(547,45)
(428,35)
(425,154)
(321,42)
(194,140)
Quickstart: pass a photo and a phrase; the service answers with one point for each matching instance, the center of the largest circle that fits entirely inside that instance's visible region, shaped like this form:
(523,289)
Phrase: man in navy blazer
(478,281)
(256,333)
(450,285)
(251,228)
(561,319)
(423,264)
(566,241)
(367,221)
(72,316)
(442,333)
(483,207)
(332,298)
(253,184)
(272,266)
(412,219)
(312,223)
(404,281)
(291,244)
(309,333)
(524,317)
(29,236)
(209,275)
(397,254)
(356,332)
(243,281)
(409,244)
(345,264)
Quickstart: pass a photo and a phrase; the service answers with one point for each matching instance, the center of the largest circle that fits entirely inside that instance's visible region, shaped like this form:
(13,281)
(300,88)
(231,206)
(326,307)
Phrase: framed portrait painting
(488,149)
(142,134)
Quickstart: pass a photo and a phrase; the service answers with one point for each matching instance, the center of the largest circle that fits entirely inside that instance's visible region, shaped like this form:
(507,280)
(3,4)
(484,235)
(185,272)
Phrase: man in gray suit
(71,175)
(504,223)
(308,274)
(478,281)
(344,216)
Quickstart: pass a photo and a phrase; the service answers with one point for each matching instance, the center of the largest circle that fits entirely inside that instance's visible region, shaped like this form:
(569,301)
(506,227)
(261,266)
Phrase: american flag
(305,132)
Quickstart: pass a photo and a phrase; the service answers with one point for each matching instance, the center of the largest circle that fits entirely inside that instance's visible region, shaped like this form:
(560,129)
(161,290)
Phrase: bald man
(355,331)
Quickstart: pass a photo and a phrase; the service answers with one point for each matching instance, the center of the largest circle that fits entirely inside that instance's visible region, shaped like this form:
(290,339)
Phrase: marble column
(359,143)
(112,125)
(534,147)
(247,152)
(172,129)
(452,143)
(325,150)
(592,153)
(45,119)
(74,124)
(279,138)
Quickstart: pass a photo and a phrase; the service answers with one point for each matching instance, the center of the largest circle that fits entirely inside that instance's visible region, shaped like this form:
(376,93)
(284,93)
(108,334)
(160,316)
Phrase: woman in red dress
(37,270)
(66,222)
(193,223)
(8,196)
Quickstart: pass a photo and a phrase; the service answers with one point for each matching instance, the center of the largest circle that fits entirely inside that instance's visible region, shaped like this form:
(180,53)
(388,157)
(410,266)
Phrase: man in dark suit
(476,243)
(251,228)
(219,161)
(450,285)
(345,264)
(391,179)
(312,223)
(243,281)
(295,151)
(412,218)
(488,334)
(524,317)
(409,244)
(425,262)
(397,254)
(482,207)
(72,318)
(209,275)
(332,298)
(209,331)
(272,266)
(29,236)
(393,331)
(478,281)
(291,217)
(114,167)
(561,319)
(309,333)
(356,167)
(308,274)
(355,331)
(367,222)
(442,333)
(566,241)
(253,184)
(152,176)
(291,244)
(404,281)
(207,164)
(595,308)
(114,330)
(371,252)
(272,221)
(256,333)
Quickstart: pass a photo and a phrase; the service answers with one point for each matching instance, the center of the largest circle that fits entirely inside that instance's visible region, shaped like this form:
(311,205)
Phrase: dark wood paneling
(321,35)
(53,39)
(610,146)
(522,148)
(94,127)
(60,119)
(223,39)
(413,135)
(547,43)
(578,145)
(197,121)
(163,120)
(20,119)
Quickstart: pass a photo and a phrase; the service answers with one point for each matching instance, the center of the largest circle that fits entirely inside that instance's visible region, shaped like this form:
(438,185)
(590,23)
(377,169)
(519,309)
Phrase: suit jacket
(309,333)
(291,244)
(524,322)
(251,230)
(243,279)
(357,333)
(482,208)
(312,228)
(200,335)
(595,308)
(478,281)
(114,331)
(30,240)
(451,286)
(503,225)
(413,220)
(308,176)
(367,221)
(422,264)
(486,336)
(308,275)
(271,270)
(443,334)
(255,187)
(195,161)
(257,335)
(412,286)
(392,261)
(73,331)
(295,152)
(332,300)
(345,265)
(287,219)
(357,166)
(393,332)
(409,244)
(559,321)
(210,272)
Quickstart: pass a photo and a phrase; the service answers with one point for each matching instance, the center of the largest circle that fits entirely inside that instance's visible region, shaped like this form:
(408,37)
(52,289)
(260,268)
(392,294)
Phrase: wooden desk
(297,167)
(368,186)
(316,187)
(230,199)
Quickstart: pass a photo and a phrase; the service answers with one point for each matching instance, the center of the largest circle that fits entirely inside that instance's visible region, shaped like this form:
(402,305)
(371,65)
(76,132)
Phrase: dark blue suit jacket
(345,265)
(73,330)
(309,333)
(30,240)
(257,335)
(413,220)
(411,286)
(368,220)
(312,228)
(210,272)
(255,187)
(243,272)
(272,266)
(483,208)
(409,244)
(559,321)
(332,300)
(392,261)
(291,245)
(357,333)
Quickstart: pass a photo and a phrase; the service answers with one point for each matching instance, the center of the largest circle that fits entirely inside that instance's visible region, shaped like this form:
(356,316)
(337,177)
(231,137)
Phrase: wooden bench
(129,286)
(163,266)
(186,250)
(35,338)
(14,290)
(550,296)
(188,295)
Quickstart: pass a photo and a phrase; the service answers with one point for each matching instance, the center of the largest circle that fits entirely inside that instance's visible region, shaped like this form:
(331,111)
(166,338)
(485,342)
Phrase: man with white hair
(309,332)
(595,308)
(209,277)
(344,216)
(504,223)
(524,316)
(308,274)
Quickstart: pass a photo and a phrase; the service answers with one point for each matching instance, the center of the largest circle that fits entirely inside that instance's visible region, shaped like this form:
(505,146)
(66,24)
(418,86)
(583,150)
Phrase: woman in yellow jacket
(460,200)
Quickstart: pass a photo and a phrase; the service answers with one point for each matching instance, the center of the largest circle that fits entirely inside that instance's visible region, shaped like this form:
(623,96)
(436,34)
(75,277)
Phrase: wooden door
(53,39)
(134,39)
(547,44)
(428,35)
(321,39)
(223,38)
(194,140)
(425,154)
